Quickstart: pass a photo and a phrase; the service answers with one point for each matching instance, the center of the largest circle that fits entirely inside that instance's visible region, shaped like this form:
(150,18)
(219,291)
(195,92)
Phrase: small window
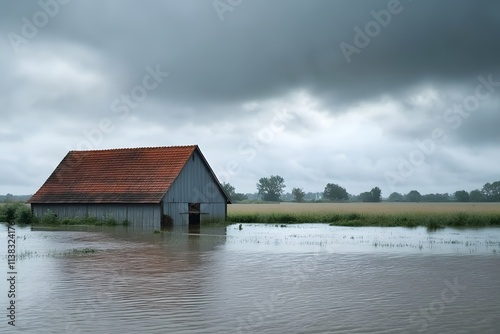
(194,208)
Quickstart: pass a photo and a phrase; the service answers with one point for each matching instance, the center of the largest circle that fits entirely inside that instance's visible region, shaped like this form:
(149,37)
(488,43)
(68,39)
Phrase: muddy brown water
(310,278)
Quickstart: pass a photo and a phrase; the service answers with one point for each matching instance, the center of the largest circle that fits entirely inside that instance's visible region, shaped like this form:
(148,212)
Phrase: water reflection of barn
(148,187)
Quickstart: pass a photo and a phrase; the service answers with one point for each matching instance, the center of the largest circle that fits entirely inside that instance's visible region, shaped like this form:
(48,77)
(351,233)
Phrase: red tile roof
(134,175)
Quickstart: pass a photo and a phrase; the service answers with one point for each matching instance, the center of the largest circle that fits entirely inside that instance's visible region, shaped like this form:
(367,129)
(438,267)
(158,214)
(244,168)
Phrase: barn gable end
(196,183)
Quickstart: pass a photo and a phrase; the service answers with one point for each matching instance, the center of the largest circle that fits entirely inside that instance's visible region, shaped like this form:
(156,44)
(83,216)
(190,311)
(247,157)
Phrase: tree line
(489,193)
(272,189)
(9,198)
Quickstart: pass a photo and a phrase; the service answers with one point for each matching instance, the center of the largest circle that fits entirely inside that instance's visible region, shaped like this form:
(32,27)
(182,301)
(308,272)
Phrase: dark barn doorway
(166,222)
(194,214)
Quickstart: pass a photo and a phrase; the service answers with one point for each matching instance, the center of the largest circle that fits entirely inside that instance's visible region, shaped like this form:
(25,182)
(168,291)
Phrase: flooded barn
(148,187)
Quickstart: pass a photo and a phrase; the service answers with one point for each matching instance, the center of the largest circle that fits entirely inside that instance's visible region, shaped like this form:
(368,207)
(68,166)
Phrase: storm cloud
(315,91)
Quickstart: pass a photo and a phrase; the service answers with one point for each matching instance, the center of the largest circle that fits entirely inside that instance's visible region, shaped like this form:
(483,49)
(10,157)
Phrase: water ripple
(231,284)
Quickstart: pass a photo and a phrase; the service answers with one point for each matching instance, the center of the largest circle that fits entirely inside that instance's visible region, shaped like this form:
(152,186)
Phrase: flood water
(310,278)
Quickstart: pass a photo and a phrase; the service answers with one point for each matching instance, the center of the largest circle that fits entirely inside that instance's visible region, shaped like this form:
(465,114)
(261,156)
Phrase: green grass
(82,251)
(412,219)
(17,212)
(430,215)
(20,213)
(50,219)
(27,254)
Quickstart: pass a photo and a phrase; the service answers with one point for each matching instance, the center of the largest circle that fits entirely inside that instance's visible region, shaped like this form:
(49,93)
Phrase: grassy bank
(372,214)
(356,219)
(20,213)
(51,220)
(27,254)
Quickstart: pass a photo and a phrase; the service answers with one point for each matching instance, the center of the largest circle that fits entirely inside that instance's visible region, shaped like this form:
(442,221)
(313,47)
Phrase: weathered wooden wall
(209,212)
(195,184)
(145,215)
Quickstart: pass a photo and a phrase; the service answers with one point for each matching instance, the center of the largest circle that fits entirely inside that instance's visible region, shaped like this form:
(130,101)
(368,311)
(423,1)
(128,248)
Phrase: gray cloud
(355,121)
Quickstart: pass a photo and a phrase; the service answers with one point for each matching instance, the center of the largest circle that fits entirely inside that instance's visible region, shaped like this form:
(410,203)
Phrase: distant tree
(271,188)
(435,198)
(413,196)
(396,197)
(354,198)
(334,192)
(229,189)
(491,191)
(310,196)
(231,192)
(462,196)
(238,197)
(365,197)
(376,194)
(443,197)
(286,197)
(476,196)
(373,195)
(253,197)
(298,194)
(9,198)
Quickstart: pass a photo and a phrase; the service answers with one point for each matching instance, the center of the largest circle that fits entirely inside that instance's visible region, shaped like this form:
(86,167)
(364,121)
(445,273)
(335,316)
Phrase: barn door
(194,214)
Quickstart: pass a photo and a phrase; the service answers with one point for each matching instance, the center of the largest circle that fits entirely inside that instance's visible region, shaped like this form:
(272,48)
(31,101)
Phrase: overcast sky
(401,95)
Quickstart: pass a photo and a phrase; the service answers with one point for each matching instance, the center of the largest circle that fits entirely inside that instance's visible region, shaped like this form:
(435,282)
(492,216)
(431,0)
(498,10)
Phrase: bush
(49,218)
(89,221)
(24,215)
(8,212)
(353,216)
(16,212)
(109,220)
(433,223)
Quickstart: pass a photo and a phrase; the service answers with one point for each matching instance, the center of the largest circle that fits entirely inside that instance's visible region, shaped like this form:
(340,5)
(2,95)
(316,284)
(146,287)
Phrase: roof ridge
(135,148)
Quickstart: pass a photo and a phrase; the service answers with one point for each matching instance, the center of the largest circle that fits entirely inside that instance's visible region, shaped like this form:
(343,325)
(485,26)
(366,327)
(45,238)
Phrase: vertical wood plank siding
(138,215)
(195,184)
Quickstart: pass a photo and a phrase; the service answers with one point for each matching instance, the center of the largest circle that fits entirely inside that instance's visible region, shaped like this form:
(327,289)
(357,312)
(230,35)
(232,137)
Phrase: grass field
(431,215)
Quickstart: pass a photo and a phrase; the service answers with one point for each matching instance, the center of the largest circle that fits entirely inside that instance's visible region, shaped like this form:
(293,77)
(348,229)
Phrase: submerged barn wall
(209,212)
(195,184)
(138,215)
